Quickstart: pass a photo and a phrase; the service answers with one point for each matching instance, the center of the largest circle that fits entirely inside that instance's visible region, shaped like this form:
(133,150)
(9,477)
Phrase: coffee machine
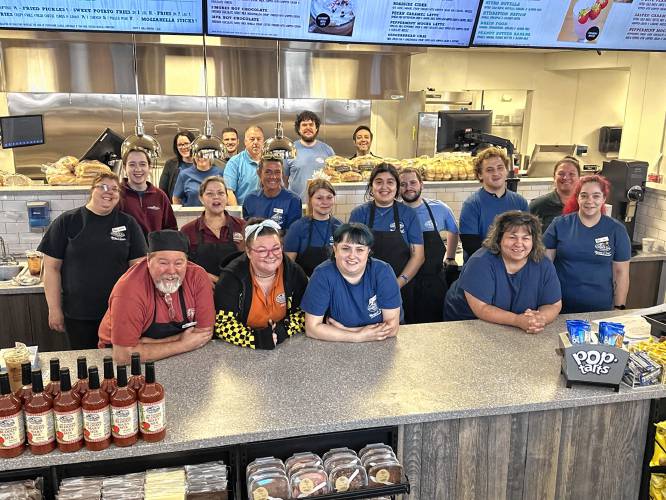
(627,178)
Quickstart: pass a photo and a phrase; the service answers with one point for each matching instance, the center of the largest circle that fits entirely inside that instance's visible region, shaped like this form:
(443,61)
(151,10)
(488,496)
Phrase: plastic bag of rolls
(340,169)
(61,173)
(364,165)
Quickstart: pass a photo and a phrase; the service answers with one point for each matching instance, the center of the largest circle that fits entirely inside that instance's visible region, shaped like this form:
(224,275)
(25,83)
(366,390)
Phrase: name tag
(278,210)
(601,240)
(118,229)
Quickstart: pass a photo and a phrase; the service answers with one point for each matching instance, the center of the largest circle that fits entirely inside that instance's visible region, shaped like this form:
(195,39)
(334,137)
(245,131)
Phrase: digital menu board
(133,16)
(446,23)
(585,24)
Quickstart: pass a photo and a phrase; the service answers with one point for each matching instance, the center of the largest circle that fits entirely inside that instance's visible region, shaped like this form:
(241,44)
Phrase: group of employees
(118,272)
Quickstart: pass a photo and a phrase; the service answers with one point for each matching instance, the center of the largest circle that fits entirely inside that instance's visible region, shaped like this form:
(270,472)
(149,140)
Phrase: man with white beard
(163,305)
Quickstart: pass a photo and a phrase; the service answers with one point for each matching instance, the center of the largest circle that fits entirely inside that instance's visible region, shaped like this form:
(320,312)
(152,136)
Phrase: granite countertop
(224,395)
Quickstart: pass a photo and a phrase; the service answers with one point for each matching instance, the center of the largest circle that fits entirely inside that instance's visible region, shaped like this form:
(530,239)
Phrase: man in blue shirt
(310,154)
(240,173)
(272,201)
(491,167)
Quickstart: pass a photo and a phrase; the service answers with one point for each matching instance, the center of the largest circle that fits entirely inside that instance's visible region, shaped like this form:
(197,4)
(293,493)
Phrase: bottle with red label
(137,380)
(81,386)
(53,387)
(25,392)
(124,412)
(67,416)
(12,430)
(152,414)
(109,382)
(39,425)
(96,417)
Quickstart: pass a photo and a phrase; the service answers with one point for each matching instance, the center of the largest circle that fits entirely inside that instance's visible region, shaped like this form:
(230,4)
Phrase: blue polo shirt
(285,208)
(479,210)
(485,277)
(329,293)
(296,239)
(308,159)
(188,182)
(410,226)
(443,215)
(240,175)
(584,260)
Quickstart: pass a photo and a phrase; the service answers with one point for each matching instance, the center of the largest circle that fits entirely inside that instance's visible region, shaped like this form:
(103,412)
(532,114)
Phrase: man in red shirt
(163,305)
(148,204)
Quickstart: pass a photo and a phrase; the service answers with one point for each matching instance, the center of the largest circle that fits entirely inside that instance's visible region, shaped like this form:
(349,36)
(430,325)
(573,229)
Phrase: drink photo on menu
(332,17)
(584,20)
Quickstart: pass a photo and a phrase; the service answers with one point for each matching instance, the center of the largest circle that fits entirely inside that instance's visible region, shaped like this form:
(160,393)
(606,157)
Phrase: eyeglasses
(106,188)
(184,145)
(263,252)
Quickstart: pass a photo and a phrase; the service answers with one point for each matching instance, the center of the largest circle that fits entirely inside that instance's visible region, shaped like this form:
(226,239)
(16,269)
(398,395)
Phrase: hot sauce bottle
(152,415)
(109,382)
(25,392)
(39,418)
(136,381)
(12,430)
(96,418)
(81,385)
(124,414)
(67,416)
(53,387)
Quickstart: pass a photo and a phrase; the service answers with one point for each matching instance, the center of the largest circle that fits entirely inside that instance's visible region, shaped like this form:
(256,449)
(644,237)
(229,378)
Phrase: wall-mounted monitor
(573,24)
(445,23)
(454,123)
(131,16)
(21,131)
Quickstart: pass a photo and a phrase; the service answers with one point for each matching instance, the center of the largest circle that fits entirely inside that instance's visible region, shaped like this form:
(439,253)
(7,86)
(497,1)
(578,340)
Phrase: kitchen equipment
(627,178)
(207,145)
(140,140)
(279,147)
(545,156)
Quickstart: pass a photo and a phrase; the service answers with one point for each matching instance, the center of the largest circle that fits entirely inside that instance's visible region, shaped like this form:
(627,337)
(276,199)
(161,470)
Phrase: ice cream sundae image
(586,18)
(332,17)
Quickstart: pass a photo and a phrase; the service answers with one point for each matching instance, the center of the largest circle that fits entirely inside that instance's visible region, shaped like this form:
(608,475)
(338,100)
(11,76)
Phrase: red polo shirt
(197,226)
(134,300)
(152,209)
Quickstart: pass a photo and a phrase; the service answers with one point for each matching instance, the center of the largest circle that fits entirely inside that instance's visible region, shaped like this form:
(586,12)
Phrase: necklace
(263,277)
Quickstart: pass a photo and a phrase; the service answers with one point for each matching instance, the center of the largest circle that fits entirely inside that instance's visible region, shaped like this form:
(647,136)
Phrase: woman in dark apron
(308,241)
(396,229)
(215,237)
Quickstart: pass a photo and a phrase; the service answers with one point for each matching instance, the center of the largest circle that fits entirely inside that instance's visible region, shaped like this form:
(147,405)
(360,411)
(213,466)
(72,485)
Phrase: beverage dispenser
(627,178)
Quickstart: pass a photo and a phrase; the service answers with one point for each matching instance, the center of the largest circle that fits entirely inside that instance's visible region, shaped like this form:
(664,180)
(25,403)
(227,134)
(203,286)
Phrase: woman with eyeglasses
(591,250)
(182,148)
(508,281)
(396,229)
(548,206)
(215,235)
(258,295)
(353,297)
(86,250)
(186,191)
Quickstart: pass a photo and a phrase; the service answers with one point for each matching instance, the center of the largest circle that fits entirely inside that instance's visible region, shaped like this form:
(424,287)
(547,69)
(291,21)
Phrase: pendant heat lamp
(207,145)
(279,147)
(140,140)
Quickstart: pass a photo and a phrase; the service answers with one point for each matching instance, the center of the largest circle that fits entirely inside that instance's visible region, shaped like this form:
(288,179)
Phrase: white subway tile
(4,197)
(82,198)
(14,206)
(62,204)
(17,228)
(30,237)
(11,237)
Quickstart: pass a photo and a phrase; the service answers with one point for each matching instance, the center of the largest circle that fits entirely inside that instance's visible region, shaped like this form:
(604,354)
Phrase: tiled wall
(14,216)
(651,216)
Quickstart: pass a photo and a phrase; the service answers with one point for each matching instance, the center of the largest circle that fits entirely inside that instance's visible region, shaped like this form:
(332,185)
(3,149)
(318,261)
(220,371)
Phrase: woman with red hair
(591,250)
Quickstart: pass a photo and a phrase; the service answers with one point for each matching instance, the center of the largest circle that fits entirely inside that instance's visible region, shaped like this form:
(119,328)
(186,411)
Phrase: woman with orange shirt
(258,295)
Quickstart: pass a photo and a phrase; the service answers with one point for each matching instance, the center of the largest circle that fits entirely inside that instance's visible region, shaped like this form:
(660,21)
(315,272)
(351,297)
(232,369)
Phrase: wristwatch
(405,277)
(620,307)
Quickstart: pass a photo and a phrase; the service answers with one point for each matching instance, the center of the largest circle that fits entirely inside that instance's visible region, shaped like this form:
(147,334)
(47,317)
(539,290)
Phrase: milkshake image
(585,20)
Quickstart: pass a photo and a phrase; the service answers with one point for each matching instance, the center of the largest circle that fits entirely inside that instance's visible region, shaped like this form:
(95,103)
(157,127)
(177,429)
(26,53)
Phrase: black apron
(430,282)
(311,257)
(392,248)
(164,330)
(211,255)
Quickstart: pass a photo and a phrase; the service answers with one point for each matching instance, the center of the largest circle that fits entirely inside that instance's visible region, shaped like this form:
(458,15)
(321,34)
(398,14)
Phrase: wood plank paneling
(543,445)
(566,456)
(46,339)
(499,450)
(440,460)
(411,450)
(15,324)
(472,478)
(517,454)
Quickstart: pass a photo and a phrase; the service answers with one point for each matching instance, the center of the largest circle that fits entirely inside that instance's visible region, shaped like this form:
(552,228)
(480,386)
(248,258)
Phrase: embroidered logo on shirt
(191,312)
(392,227)
(118,233)
(428,226)
(281,299)
(153,207)
(277,215)
(319,160)
(373,310)
(602,247)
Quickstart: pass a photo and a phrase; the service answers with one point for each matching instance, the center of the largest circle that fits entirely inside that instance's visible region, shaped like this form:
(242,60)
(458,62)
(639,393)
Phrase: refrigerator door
(426,138)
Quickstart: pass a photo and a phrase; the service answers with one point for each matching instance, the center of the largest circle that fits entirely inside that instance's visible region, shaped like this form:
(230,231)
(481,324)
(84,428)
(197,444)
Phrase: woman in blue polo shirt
(353,297)
(186,190)
(508,281)
(308,241)
(396,229)
(591,251)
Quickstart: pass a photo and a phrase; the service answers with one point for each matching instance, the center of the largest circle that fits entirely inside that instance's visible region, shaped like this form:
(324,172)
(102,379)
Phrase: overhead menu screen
(134,16)
(593,24)
(446,23)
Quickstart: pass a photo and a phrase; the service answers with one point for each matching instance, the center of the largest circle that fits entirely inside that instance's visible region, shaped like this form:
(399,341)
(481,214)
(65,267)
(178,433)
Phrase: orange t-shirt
(264,307)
